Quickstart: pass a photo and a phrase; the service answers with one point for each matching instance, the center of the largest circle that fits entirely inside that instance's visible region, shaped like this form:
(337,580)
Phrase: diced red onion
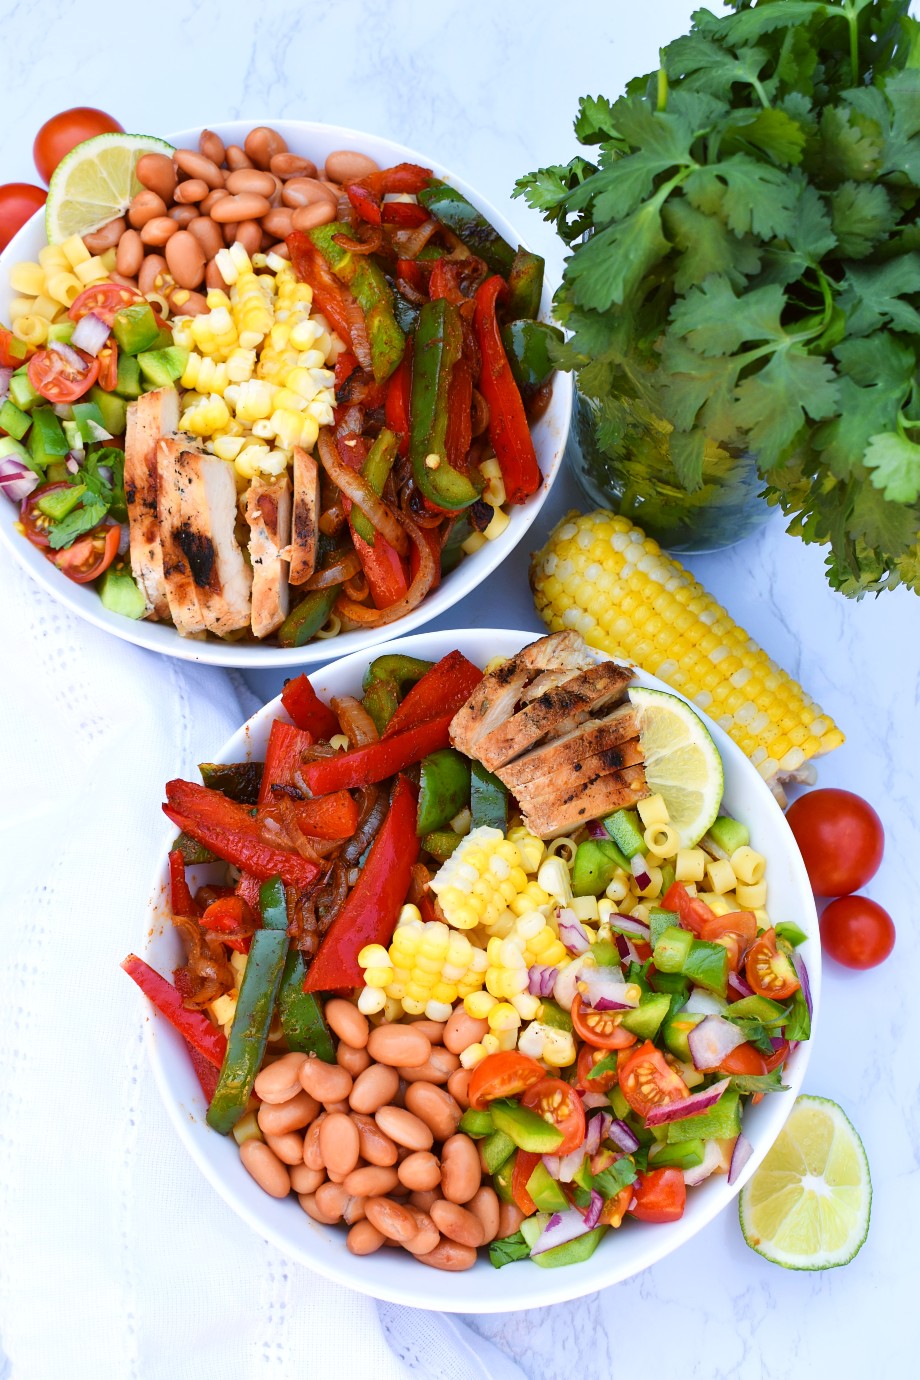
(711,1041)
(596,830)
(593,1137)
(72,464)
(740,1155)
(16,479)
(572,932)
(541,979)
(713,1161)
(687,1106)
(738,984)
(5,376)
(628,924)
(124,539)
(565,1167)
(561,1227)
(622,1137)
(640,871)
(90,333)
(625,949)
(591,1100)
(593,1215)
(68,353)
(605,990)
(777,1042)
(564,989)
(801,973)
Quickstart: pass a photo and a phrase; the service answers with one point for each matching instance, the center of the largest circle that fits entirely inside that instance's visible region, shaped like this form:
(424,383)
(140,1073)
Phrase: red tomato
(108,366)
(857,932)
(661,1196)
(744,1059)
(524,1165)
(90,555)
(647,1080)
(840,837)
(63,132)
(734,932)
(769,970)
(779,1056)
(18,202)
(502,1075)
(34,523)
(693,914)
(103,300)
(614,1210)
(60,378)
(600,1028)
(559,1104)
(587,1058)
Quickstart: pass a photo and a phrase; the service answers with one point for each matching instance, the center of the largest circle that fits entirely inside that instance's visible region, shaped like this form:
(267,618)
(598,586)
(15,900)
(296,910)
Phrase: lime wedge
(807,1207)
(682,762)
(95,183)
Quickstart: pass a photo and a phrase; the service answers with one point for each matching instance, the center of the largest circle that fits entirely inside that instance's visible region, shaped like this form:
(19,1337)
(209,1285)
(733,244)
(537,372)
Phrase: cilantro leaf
(76,524)
(507,1249)
(608,268)
(606,1065)
(774,132)
(707,246)
(596,120)
(895,465)
(772,405)
(881,524)
(750,196)
(759,1082)
(609,1182)
(861,214)
(875,295)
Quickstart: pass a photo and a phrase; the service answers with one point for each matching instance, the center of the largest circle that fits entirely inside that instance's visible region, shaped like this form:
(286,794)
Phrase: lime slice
(807,1207)
(95,183)
(682,762)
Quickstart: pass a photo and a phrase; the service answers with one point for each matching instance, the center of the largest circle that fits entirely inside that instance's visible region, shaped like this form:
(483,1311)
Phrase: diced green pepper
(606,953)
(728,834)
(544,1190)
(301,1015)
(444,789)
(22,393)
(707,966)
(306,618)
(672,950)
(192,851)
(526,283)
(498,1151)
(441,843)
(625,828)
(675,1030)
(644,1021)
(571,1252)
(686,1154)
(784,930)
(437,349)
(527,1129)
(551,1013)
(476,1123)
(57,503)
(85,414)
(595,863)
(47,441)
(135,328)
(719,1123)
(756,1009)
(128,382)
(162,367)
(240,781)
(621,1107)
(113,409)
(119,592)
(371,291)
(452,209)
(674,984)
(660,920)
(14,422)
(527,345)
(488,799)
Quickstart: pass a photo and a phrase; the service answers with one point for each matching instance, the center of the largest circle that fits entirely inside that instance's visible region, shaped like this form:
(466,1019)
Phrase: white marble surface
(492,89)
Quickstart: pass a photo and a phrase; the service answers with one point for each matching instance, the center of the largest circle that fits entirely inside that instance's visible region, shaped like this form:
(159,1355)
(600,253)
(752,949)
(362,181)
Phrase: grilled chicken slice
(304,529)
(207,579)
(615,737)
(268,512)
(494,699)
(553,712)
(153,415)
(548,813)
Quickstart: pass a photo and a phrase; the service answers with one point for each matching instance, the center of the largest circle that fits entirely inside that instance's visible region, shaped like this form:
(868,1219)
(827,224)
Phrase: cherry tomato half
(857,932)
(90,555)
(524,1164)
(745,1059)
(587,1058)
(778,1057)
(769,970)
(63,132)
(502,1075)
(62,378)
(614,1210)
(108,366)
(693,914)
(661,1196)
(647,1080)
(559,1104)
(600,1028)
(103,300)
(840,837)
(18,202)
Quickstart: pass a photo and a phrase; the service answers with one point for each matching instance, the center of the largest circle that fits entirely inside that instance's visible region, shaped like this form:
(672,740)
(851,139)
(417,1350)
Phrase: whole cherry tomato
(63,132)
(857,932)
(840,837)
(18,202)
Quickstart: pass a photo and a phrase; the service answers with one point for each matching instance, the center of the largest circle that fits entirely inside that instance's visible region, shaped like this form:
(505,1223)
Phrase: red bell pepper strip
(193,1026)
(508,428)
(329,817)
(367,195)
(307,710)
(408,215)
(283,757)
(345,366)
(225,915)
(459,434)
(329,295)
(248,888)
(180,898)
(396,407)
(207,1073)
(233,833)
(448,684)
(372,907)
(377,761)
(383,569)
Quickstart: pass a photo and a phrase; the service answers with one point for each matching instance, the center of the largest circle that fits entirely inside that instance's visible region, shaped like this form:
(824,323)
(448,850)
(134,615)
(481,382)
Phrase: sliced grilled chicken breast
(616,735)
(181,589)
(152,416)
(304,527)
(268,512)
(549,811)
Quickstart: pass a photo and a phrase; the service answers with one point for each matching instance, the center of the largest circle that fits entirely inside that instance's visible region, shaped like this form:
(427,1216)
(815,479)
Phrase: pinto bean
(285,165)
(213,278)
(398,1046)
(106,237)
(435,1107)
(310,1206)
(278,1081)
(485,1204)
(243,180)
(376,1147)
(185,303)
(197,166)
(457,1222)
(371,1181)
(420,1171)
(263,1164)
(304,191)
(406,1129)
(458,1085)
(288,1147)
(437,1069)
(207,234)
(463,1030)
(460,1169)
(245,206)
(426,1235)
(212,199)
(364,1238)
(196,189)
(151,270)
(338,1142)
(212,146)
(346,165)
(248,233)
(262,144)
(346,1021)
(183,215)
(312,1155)
(432,1030)
(510,1218)
(374,1088)
(325,1082)
(279,221)
(355,1060)
(145,206)
(450,1255)
(308,217)
(157,173)
(277,1119)
(332,1199)
(158,230)
(130,254)
(394,1220)
(304,1180)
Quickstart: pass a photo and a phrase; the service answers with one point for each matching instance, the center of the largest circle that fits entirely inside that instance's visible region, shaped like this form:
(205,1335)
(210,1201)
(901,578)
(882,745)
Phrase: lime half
(807,1207)
(96,182)
(682,763)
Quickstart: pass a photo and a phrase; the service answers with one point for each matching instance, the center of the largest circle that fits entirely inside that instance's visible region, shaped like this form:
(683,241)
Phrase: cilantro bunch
(746,258)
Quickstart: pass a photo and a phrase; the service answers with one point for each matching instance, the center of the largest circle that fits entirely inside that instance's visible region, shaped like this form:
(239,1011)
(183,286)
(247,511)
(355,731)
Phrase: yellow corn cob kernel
(482,876)
(371,1000)
(249,461)
(321,409)
(479,1004)
(205,375)
(206,417)
(531,848)
(599,574)
(241,365)
(490,1043)
(472,1055)
(503,1016)
(294,429)
(379,977)
(216,298)
(554,1047)
(226,447)
(445,993)
(437,1010)
(526,1005)
(223,1009)
(27,278)
(554,878)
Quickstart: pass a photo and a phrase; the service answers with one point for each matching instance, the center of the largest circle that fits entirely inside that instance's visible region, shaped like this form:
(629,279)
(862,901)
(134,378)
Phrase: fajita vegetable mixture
(481,960)
(269,401)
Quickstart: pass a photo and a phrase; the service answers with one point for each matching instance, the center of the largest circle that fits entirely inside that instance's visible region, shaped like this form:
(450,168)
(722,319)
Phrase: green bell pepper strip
(644,1021)
(660,920)
(241,781)
(476,1124)
(406,671)
(686,1154)
(437,351)
(255,1008)
(551,1013)
(47,441)
(381,700)
(526,283)
(675,1031)
(441,843)
(790,933)
(135,328)
(625,828)
(371,291)
(305,621)
(192,851)
(498,1155)
(452,209)
(571,1252)
(14,422)
(488,799)
(527,345)
(128,378)
(527,1129)
(301,1015)
(375,469)
(757,1009)
(719,1123)
(444,789)
(57,503)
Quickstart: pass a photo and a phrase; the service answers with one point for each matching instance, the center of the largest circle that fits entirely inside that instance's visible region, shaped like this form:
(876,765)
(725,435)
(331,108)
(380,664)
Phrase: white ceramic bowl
(395,1275)
(314,141)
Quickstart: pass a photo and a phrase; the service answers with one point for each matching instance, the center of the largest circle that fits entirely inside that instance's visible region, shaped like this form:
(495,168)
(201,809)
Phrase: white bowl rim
(479,1290)
(466,577)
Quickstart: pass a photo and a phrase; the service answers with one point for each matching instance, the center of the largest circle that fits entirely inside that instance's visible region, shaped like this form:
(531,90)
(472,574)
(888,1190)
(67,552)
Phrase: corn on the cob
(425,970)
(601,575)
(480,880)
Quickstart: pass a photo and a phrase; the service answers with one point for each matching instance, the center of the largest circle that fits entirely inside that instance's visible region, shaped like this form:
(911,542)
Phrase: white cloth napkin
(117,1259)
